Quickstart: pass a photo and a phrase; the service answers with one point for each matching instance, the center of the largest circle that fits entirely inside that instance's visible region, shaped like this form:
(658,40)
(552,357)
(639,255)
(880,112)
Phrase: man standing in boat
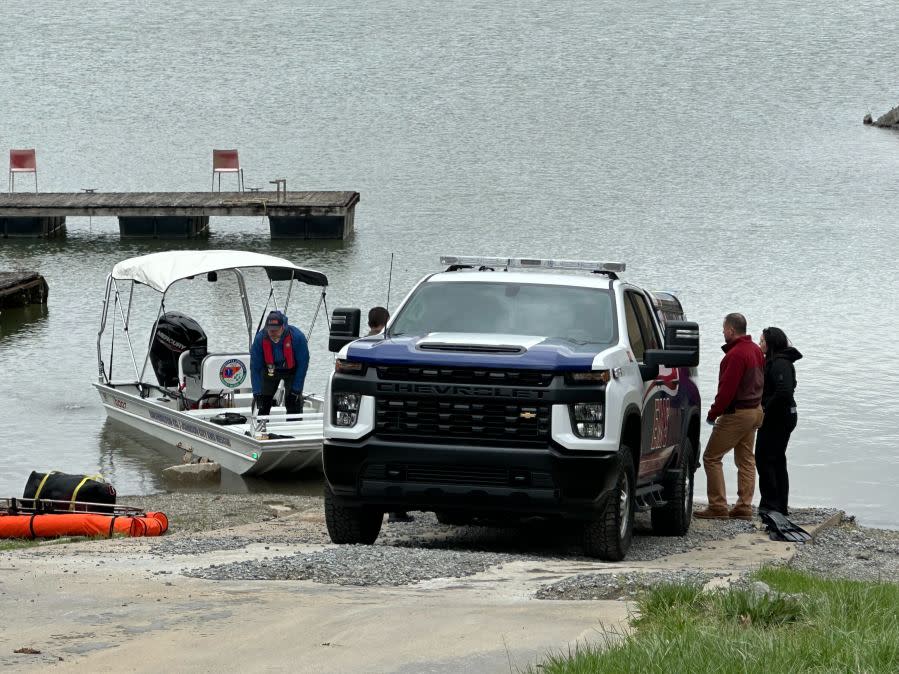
(279,353)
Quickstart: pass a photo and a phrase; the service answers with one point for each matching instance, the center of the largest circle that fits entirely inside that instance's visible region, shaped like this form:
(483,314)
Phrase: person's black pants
(292,401)
(771,460)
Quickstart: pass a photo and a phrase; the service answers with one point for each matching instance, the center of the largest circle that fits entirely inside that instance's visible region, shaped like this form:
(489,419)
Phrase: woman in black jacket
(780,419)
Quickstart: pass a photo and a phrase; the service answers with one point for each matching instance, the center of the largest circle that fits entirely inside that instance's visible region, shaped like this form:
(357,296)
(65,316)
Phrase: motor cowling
(173,334)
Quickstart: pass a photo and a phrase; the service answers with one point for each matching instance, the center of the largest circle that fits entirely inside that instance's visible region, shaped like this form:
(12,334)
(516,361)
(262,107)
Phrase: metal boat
(198,401)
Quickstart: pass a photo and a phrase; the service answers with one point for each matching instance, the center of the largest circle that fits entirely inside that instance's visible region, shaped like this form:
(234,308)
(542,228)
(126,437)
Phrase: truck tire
(351,525)
(609,537)
(453,517)
(673,518)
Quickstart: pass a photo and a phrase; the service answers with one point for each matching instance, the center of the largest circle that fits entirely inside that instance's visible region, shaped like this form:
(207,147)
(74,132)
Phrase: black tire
(351,525)
(673,518)
(453,517)
(609,537)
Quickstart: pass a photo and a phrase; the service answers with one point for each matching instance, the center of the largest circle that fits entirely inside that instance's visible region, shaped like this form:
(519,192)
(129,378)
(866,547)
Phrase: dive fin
(780,528)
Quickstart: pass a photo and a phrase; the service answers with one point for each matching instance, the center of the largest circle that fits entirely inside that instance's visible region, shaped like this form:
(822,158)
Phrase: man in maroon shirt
(735,415)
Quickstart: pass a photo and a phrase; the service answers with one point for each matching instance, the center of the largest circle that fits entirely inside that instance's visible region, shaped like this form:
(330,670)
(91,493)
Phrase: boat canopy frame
(160,271)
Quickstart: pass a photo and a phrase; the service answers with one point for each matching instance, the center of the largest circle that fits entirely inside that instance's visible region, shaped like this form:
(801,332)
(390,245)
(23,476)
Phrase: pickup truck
(505,388)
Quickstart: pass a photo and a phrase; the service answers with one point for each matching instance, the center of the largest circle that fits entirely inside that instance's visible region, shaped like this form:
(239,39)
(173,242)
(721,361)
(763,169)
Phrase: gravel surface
(405,553)
(619,585)
(357,565)
(203,511)
(852,552)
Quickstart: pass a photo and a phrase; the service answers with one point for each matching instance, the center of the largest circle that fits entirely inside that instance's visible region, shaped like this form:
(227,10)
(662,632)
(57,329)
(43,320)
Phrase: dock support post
(338,226)
(164,227)
(24,227)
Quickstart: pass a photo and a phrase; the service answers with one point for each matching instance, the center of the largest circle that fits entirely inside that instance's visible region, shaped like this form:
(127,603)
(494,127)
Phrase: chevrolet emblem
(527,415)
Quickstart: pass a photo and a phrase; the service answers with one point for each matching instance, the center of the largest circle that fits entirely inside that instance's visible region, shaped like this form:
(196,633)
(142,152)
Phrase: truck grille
(466,375)
(444,421)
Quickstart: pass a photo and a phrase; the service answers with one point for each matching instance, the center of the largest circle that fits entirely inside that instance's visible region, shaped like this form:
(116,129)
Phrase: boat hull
(229,446)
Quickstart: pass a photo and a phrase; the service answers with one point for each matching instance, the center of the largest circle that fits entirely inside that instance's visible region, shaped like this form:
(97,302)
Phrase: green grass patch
(16,544)
(810,625)
(20,543)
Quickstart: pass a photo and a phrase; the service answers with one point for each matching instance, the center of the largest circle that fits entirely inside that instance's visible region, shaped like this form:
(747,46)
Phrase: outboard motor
(173,334)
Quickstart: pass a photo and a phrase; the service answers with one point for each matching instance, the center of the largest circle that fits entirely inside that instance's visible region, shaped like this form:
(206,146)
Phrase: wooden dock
(305,215)
(19,288)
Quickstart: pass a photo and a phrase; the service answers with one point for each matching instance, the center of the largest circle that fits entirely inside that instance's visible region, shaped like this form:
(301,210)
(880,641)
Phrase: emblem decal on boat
(233,373)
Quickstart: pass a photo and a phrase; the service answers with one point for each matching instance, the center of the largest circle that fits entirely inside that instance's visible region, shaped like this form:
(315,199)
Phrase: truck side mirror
(344,328)
(682,335)
(681,346)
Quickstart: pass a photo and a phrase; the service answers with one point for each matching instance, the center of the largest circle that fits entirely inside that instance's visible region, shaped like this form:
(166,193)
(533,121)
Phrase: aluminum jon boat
(201,402)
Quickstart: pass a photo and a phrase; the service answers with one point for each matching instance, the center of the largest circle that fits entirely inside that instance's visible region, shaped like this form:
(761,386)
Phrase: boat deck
(292,427)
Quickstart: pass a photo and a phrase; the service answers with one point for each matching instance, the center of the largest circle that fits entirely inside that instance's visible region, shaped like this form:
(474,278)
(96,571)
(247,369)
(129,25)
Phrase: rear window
(578,315)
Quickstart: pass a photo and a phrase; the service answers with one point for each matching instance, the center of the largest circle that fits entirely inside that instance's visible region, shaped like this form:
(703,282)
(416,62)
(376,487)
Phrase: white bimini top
(161,270)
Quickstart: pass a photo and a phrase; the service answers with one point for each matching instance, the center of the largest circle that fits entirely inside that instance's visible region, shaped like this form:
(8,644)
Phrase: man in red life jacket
(279,353)
(735,415)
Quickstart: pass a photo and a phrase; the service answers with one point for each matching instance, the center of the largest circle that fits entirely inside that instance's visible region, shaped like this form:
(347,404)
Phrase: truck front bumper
(475,479)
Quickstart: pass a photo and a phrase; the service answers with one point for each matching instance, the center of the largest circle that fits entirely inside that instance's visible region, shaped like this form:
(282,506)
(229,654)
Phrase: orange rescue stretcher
(43,518)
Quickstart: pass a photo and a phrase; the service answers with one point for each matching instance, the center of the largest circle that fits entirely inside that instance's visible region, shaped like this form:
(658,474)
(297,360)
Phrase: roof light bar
(531,263)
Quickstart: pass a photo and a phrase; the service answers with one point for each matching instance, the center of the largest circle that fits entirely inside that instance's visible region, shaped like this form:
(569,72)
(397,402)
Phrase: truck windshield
(573,314)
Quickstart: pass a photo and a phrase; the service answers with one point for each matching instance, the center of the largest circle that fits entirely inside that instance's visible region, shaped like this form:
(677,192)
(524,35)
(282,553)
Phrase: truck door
(661,413)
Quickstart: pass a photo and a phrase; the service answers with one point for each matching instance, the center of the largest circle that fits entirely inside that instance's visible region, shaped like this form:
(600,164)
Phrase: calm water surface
(717,148)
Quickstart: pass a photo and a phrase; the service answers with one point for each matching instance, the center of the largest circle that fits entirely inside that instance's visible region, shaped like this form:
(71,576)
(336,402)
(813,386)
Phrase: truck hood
(455,349)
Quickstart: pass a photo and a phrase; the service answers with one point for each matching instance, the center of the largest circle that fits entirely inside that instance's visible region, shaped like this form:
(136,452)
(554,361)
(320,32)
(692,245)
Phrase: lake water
(717,148)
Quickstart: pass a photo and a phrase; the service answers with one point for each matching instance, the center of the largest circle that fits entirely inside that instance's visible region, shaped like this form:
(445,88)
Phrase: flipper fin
(781,528)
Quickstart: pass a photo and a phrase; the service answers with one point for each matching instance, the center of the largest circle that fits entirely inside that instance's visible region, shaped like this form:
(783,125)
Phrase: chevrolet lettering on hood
(459,390)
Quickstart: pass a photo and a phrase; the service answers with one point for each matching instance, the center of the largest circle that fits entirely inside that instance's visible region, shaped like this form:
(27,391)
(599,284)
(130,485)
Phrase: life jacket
(269,353)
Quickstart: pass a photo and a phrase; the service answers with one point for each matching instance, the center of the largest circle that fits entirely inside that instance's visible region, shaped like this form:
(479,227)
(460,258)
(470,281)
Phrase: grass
(16,544)
(21,543)
(815,625)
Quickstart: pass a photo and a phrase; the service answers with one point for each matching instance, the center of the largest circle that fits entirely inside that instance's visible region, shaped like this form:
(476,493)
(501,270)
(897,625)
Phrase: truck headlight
(344,366)
(587,419)
(346,409)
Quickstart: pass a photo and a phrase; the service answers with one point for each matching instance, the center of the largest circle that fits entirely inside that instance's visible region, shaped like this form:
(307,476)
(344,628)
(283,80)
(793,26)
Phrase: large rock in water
(889,121)
(193,473)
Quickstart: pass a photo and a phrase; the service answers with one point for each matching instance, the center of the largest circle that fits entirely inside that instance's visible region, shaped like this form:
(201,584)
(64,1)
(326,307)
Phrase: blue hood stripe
(553,355)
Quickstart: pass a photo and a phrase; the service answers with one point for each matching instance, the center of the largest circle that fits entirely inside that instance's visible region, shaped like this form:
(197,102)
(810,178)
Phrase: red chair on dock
(21,161)
(226,161)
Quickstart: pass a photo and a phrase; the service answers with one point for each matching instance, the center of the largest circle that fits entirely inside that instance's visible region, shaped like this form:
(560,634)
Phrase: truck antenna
(389,280)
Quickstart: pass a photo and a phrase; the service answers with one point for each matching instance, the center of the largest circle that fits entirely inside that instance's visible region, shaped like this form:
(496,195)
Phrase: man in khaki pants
(735,415)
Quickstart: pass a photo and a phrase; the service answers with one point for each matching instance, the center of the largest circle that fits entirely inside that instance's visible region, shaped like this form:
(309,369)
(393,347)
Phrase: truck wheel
(609,537)
(453,518)
(673,518)
(351,525)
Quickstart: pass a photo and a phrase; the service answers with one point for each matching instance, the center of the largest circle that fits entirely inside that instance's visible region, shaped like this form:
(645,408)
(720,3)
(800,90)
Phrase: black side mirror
(682,335)
(681,347)
(344,328)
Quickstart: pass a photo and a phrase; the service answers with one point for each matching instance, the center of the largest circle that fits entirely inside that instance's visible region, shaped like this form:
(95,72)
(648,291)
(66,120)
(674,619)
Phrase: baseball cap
(275,319)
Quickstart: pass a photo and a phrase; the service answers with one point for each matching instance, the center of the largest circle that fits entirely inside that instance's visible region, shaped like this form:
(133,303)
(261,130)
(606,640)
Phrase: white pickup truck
(505,388)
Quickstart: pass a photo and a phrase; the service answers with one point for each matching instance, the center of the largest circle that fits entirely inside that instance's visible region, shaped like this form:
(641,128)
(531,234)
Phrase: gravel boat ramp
(252,582)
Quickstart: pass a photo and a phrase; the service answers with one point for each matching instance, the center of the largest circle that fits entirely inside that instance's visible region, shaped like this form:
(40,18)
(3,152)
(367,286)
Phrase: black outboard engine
(173,334)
